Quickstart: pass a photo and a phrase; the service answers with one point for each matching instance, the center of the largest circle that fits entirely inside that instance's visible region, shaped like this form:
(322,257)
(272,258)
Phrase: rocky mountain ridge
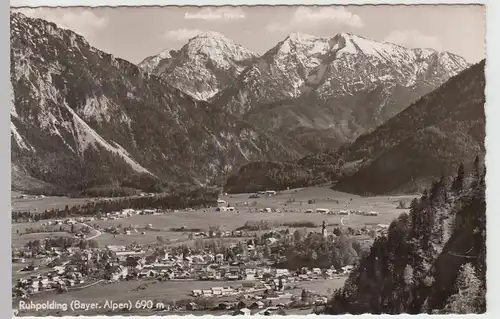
(81,118)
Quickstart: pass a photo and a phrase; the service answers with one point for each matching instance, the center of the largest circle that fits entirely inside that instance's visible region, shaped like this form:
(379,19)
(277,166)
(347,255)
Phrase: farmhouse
(322,210)
(148,212)
(243,312)
(116,248)
(347,269)
(221,202)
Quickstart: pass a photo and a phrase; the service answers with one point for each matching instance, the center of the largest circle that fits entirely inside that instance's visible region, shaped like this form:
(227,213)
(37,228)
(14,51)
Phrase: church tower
(323,230)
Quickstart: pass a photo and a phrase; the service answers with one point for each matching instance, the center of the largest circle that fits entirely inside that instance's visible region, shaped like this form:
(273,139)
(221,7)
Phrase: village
(253,268)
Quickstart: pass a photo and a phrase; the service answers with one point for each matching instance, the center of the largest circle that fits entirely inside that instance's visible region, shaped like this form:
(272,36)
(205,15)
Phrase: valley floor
(292,206)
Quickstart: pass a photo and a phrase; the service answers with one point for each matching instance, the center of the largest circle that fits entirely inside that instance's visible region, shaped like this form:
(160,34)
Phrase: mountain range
(323,92)
(81,118)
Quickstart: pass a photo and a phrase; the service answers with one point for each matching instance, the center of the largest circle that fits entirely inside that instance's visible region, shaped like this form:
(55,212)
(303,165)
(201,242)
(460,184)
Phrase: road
(97,232)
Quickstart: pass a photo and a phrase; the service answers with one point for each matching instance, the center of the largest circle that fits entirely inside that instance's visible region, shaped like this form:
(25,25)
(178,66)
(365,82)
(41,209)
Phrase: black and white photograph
(248,160)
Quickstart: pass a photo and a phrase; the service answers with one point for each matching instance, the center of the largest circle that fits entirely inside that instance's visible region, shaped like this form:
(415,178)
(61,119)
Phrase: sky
(134,33)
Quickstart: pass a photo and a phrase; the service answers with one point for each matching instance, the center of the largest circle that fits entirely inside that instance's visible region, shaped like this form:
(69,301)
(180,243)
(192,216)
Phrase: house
(19,260)
(147,273)
(116,248)
(281,272)
(241,305)
(257,305)
(224,306)
(250,274)
(128,211)
(191,306)
(347,269)
(242,312)
(134,261)
(226,291)
(217,291)
(196,293)
(118,272)
(271,240)
(321,301)
(219,258)
(221,203)
(232,277)
(322,210)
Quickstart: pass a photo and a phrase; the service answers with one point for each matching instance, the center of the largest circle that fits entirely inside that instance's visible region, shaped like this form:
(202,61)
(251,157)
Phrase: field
(295,202)
(31,203)
(21,240)
(247,210)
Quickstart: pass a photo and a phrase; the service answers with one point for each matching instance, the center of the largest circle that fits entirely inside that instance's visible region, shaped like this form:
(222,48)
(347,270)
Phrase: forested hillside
(433,259)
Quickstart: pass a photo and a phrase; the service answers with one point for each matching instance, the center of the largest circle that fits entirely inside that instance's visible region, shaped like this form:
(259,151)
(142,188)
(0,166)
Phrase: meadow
(33,203)
(293,205)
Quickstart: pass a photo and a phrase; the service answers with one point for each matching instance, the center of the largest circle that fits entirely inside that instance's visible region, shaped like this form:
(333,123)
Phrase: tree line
(186,199)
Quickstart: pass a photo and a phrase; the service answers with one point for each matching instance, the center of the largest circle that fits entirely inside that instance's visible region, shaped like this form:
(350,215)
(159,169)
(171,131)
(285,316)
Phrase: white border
(492,114)
(55,3)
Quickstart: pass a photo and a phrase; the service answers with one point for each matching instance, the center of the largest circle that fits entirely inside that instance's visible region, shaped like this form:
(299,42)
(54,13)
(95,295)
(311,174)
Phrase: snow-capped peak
(299,37)
(215,45)
(211,34)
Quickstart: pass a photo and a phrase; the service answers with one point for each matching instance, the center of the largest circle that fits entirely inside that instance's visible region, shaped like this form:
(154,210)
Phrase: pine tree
(483,177)
(470,295)
(477,168)
(458,183)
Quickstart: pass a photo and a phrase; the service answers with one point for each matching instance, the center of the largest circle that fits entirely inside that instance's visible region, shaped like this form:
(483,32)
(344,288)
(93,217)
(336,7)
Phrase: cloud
(84,22)
(182,34)
(414,39)
(218,14)
(307,17)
